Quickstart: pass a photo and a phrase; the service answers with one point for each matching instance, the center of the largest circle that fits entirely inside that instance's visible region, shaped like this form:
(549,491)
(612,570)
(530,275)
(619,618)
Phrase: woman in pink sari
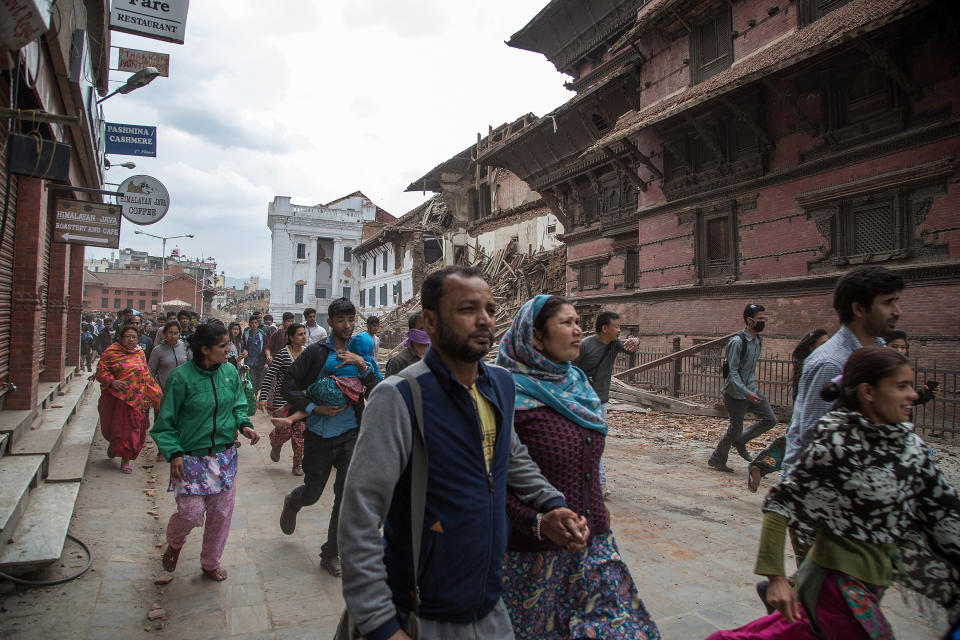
(127,391)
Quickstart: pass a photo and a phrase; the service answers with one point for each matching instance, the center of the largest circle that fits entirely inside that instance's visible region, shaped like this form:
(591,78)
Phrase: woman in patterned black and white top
(270,393)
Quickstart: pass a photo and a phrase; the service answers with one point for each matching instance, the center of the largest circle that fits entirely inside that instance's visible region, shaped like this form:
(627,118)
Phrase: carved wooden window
(862,103)
(631,268)
(711,46)
(811,10)
(590,204)
(589,276)
(716,242)
(869,227)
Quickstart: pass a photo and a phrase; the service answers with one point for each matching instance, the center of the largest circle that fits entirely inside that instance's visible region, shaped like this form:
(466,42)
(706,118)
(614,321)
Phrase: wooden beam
(626,168)
(888,66)
(674,151)
(653,364)
(706,136)
(32,115)
(786,100)
(745,118)
(644,158)
(681,21)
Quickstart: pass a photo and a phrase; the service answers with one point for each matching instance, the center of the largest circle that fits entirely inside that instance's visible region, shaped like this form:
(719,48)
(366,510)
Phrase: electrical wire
(50,583)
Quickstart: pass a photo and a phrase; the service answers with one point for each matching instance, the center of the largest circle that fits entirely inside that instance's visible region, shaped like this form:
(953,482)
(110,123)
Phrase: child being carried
(341,389)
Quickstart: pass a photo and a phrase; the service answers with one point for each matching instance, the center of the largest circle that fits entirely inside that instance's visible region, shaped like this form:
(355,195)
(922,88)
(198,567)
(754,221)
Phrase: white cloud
(316,101)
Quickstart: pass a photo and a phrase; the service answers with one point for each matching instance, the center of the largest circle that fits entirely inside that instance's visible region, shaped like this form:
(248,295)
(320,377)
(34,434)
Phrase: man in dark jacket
(331,431)
(473,455)
(417,342)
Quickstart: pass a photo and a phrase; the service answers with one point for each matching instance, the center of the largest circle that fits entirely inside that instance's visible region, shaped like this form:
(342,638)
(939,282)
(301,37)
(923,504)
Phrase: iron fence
(697,377)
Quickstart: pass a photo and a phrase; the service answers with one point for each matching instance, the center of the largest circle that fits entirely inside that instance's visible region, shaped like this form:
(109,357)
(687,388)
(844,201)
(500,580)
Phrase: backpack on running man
(725,367)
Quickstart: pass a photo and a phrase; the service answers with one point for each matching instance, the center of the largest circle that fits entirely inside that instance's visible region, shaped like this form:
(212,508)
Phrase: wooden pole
(653,364)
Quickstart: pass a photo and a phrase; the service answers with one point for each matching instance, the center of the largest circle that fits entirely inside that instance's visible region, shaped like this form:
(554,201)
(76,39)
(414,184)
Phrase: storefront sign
(134,59)
(22,21)
(144,199)
(161,20)
(131,140)
(92,224)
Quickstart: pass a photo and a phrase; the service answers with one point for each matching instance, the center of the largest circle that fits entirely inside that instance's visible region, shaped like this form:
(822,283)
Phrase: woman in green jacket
(203,409)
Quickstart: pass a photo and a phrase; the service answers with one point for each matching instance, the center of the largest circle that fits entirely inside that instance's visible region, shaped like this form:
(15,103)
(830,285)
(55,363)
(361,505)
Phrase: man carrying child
(331,428)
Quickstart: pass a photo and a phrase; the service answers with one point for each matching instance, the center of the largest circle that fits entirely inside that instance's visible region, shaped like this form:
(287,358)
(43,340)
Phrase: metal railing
(697,377)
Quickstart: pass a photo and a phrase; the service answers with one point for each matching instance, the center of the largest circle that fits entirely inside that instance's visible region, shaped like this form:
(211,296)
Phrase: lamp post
(140,79)
(163,257)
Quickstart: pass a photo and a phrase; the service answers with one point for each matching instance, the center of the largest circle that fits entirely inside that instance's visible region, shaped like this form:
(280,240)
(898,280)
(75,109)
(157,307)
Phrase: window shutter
(712,46)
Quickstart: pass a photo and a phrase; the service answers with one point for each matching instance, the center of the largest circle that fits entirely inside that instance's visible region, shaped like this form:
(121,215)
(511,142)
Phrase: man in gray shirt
(740,393)
(597,355)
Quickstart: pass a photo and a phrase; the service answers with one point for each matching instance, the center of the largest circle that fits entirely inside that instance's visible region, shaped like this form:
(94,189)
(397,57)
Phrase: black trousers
(735,435)
(320,457)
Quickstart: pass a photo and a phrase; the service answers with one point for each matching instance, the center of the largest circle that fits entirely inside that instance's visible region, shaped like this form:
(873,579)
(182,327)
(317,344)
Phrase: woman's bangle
(539,523)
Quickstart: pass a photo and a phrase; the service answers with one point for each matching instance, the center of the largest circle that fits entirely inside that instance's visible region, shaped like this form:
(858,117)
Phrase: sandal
(297,470)
(217,575)
(170,557)
(753,478)
(126,468)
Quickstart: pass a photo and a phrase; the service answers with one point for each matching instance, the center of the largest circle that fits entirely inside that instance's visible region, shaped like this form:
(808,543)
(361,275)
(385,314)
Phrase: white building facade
(311,262)
(384,284)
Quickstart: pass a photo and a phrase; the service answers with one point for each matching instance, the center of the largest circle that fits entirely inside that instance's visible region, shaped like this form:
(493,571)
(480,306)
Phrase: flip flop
(169,558)
(217,575)
(126,469)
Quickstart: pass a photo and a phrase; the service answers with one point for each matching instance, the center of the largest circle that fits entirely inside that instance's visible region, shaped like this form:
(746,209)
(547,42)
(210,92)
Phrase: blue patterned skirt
(586,594)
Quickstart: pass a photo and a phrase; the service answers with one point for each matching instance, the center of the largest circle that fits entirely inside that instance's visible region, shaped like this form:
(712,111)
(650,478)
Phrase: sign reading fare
(144,199)
(158,19)
(88,223)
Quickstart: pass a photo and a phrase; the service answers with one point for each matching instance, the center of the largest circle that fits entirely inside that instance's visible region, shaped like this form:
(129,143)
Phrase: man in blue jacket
(473,457)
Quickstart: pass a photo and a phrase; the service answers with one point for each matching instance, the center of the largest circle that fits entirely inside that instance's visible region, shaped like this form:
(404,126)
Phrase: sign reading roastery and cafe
(92,224)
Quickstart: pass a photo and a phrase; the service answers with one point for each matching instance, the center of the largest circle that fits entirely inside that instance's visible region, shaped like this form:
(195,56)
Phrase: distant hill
(237,283)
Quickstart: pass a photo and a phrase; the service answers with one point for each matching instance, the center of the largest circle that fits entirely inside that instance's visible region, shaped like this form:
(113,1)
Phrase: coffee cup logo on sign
(143,199)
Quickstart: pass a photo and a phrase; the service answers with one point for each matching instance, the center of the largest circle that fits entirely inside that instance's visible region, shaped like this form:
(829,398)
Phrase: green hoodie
(201,411)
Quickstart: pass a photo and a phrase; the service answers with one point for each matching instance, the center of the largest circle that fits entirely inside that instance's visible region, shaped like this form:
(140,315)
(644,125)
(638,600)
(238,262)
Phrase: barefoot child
(342,388)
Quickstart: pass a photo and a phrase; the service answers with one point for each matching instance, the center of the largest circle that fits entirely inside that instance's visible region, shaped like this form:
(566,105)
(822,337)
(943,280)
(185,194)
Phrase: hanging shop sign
(92,224)
(134,59)
(143,199)
(131,140)
(161,20)
(22,21)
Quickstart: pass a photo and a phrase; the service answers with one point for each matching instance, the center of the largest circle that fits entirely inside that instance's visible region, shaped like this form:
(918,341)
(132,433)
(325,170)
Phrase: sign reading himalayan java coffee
(161,20)
(143,199)
(92,224)
(134,59)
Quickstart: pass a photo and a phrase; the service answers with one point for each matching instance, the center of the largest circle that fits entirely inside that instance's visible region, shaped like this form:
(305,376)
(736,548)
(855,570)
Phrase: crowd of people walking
(469,498)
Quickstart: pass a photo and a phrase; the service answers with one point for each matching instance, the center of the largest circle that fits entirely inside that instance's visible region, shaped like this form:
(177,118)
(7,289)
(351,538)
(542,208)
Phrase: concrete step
(70,461)
(38,539)
(15,423)
(4,439)
(45,436)
(17,475)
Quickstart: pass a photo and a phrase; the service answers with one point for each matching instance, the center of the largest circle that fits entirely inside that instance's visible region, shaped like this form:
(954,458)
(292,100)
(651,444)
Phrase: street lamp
(163,257)
(140,79)
(109,165)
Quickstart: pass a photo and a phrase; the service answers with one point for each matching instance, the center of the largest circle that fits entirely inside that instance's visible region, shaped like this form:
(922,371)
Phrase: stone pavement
(688,534)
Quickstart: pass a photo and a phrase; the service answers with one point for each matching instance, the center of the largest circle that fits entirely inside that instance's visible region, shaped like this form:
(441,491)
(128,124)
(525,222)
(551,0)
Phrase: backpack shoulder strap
(418,481)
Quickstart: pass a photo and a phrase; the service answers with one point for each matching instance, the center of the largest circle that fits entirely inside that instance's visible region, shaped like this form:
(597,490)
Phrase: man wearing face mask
(740,393)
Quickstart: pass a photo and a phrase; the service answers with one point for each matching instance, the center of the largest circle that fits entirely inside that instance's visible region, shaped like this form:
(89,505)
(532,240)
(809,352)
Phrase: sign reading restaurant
(131,140)
(92,224)
(134,59)
(143,199)
(158,19)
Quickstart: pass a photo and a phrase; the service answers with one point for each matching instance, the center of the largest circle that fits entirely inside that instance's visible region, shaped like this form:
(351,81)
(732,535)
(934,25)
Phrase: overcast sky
(268,99)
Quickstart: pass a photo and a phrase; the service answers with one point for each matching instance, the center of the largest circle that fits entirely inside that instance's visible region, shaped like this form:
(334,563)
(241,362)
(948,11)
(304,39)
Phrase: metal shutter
(44,290)
(6,244)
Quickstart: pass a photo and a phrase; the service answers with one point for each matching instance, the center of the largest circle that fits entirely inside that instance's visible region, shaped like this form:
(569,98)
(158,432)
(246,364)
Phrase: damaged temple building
(717,153)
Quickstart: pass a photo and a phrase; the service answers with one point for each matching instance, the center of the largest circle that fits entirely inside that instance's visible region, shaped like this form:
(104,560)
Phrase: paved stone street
(689,536)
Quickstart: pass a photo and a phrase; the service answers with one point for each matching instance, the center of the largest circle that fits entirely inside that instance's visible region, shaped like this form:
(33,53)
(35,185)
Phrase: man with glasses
(740,393)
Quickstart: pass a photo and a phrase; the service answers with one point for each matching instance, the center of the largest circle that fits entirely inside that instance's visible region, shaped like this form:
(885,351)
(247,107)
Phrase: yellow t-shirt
(488,423)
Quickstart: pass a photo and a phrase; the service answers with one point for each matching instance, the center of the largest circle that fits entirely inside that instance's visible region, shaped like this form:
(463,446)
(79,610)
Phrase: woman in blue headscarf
(550,593)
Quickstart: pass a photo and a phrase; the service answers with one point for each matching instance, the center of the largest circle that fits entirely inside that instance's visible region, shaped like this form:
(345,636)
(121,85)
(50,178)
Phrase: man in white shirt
(315,333)
(373,326)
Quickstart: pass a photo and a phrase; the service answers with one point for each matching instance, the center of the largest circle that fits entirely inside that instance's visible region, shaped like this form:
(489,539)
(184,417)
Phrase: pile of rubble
(514,278)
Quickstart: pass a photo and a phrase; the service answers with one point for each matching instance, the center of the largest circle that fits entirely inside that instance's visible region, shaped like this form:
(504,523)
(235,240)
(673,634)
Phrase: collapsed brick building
(719,152)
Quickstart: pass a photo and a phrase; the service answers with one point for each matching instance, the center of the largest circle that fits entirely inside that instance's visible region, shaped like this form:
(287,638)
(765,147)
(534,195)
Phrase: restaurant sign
(161,20)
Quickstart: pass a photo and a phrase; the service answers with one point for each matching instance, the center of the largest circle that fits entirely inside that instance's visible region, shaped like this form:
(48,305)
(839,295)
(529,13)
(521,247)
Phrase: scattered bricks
(156,614)
(163,579)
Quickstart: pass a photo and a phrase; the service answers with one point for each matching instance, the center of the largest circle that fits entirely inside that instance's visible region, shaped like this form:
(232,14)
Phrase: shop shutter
(44,292)
(6,244)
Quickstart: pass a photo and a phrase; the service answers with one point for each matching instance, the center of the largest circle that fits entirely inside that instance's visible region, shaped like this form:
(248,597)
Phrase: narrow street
(688,534)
